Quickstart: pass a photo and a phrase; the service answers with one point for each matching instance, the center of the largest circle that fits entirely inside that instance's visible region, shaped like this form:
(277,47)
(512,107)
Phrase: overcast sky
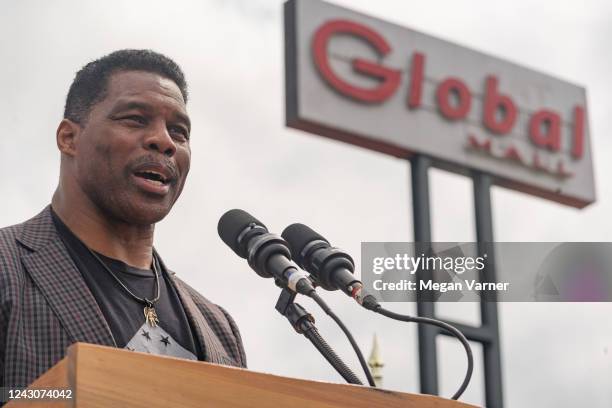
(554,355)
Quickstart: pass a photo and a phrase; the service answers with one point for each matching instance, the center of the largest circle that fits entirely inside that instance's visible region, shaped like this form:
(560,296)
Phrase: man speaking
(84,269)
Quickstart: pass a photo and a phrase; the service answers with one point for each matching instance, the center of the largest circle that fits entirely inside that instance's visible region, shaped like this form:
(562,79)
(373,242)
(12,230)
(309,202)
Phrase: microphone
(332,268)
(267,254)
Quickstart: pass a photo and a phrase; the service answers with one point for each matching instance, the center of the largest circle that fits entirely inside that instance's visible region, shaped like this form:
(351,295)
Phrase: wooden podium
(109,377)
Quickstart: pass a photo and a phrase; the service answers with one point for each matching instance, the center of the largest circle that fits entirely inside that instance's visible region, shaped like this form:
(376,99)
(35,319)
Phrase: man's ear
(66,136)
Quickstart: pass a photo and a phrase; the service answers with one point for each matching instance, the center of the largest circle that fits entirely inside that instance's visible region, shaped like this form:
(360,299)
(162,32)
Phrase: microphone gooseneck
(333,269)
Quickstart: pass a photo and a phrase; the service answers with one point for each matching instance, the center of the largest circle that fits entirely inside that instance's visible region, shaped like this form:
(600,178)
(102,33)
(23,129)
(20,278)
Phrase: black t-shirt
(173,335)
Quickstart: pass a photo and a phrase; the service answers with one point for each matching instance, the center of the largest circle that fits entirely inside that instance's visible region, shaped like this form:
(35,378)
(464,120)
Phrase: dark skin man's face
(132,155)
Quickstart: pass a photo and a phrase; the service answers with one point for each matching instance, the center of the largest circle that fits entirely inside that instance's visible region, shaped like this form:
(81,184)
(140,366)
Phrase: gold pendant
(150,316)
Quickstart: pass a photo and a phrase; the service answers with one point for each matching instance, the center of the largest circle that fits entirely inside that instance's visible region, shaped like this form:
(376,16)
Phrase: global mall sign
(367,82)
(453,98)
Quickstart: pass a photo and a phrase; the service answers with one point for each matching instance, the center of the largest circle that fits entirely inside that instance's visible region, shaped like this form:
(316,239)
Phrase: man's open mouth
(153,176)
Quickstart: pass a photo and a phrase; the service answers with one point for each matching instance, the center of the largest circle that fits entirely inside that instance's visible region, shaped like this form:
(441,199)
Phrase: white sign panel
(365,81)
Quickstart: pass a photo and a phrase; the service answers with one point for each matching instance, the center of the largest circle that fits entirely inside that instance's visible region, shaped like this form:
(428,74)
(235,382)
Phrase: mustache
(155,160)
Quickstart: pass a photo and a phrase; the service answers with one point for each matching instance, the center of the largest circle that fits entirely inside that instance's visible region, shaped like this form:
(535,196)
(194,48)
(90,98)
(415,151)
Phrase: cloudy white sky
(554,355)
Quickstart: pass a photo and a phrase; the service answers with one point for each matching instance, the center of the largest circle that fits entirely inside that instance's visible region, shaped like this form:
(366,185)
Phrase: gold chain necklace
(150,314)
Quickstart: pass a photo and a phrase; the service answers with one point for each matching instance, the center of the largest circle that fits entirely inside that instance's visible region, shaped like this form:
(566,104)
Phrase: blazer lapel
(213,350)
(206,338)
(58,278)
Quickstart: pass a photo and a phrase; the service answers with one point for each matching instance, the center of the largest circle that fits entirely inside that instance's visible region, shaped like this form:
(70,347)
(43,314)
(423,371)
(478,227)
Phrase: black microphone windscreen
(298,236)
(231,224)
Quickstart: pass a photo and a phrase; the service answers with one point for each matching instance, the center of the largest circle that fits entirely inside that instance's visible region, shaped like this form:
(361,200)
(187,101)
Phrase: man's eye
(179,130)
(135,119)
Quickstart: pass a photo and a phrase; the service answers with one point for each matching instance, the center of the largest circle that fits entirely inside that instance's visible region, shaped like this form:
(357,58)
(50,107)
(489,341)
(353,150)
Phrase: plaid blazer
(45,305)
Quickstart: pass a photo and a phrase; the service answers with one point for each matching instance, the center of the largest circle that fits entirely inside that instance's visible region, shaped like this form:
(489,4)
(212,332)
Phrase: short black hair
(90,83)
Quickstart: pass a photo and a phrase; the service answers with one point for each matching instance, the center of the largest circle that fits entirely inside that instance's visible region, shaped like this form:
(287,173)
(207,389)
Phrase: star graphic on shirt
(146,334)
(165,340)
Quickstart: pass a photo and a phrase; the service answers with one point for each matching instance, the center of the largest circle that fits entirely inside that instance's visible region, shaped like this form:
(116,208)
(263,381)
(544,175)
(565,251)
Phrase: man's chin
(132,206)
(140,211)
(147,214)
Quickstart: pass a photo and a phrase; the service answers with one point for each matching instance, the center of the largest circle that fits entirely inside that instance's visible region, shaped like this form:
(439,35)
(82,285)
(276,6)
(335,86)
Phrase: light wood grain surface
(109,377)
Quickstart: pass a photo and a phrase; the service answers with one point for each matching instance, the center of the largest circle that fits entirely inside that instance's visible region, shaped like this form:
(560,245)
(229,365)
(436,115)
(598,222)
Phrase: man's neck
(132,244)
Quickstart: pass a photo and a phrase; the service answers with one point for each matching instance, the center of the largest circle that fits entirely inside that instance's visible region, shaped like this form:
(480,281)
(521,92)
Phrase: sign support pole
(488,309)
(428,355)
(488,332)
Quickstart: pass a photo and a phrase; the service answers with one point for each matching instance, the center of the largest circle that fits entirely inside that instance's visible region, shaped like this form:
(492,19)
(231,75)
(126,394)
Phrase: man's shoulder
(10,261)
(32,233)
(9,248)
(9,234)
(35,225)
(14,241)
